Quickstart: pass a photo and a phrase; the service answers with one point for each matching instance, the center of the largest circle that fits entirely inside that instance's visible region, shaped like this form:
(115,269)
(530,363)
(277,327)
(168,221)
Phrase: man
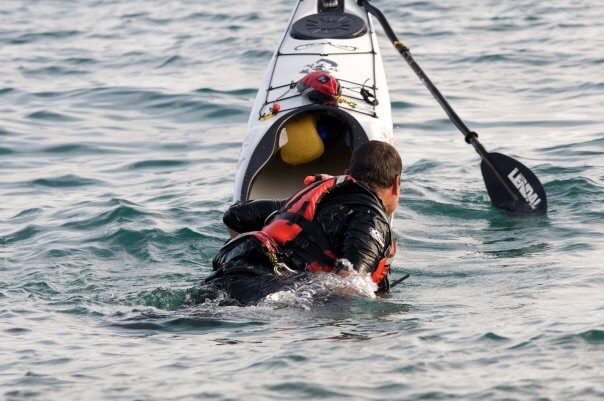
(335,224)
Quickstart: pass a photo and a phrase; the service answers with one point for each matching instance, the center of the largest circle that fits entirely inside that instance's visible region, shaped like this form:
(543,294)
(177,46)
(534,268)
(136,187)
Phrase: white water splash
(318,287)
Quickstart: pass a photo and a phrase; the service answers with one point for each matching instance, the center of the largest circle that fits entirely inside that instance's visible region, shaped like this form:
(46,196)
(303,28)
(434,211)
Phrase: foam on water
(318,288)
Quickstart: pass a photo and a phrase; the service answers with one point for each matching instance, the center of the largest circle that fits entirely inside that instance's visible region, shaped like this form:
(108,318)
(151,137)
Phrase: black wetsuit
(351,219)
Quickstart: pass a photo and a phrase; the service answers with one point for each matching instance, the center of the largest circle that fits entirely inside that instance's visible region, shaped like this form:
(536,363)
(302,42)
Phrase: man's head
(378,165)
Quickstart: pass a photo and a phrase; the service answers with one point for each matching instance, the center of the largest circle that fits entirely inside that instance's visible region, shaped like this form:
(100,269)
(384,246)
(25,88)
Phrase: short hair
(375,163)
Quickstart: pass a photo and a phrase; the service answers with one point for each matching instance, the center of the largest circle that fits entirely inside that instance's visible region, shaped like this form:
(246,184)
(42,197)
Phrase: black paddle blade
(520,192)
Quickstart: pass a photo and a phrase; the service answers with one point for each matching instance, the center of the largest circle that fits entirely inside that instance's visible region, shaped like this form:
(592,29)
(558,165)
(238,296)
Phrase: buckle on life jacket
(280,268)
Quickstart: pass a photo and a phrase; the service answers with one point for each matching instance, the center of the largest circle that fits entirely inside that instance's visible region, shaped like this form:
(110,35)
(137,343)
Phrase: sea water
(120,128)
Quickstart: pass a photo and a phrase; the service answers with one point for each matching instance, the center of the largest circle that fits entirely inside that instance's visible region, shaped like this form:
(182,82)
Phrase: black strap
(398,281)
(369,97)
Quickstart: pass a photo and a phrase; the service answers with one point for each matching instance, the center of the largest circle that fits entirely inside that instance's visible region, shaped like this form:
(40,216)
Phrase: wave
(46,115)
(591,336)
(41,36)
(66,181)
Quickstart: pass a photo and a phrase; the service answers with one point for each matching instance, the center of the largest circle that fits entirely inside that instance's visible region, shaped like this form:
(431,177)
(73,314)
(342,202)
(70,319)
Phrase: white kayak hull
(341,42)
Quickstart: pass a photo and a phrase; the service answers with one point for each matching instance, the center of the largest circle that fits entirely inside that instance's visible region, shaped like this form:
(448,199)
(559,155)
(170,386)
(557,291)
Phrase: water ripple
(120,128)
(44,115)
(43,36)
(66,181)
(157,164)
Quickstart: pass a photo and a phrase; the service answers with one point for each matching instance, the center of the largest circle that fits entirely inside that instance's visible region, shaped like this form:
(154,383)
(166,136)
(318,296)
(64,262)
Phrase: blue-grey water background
(120,127)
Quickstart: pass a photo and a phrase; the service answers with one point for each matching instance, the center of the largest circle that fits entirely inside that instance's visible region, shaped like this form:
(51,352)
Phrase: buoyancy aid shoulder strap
(317,177)
(298,195)
(305,201)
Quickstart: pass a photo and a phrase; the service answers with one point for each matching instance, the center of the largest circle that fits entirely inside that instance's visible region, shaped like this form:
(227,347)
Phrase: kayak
(289,135)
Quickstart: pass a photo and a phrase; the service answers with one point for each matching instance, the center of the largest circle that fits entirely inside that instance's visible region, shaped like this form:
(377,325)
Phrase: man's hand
(344,268)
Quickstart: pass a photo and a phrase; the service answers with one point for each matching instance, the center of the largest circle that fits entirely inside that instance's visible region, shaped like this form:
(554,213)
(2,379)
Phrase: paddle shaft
(470,136)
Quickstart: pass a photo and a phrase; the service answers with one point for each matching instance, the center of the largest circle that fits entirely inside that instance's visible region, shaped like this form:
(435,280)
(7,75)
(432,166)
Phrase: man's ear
(396,185)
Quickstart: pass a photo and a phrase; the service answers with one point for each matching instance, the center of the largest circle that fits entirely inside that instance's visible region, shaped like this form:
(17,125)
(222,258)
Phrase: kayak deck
(343,44)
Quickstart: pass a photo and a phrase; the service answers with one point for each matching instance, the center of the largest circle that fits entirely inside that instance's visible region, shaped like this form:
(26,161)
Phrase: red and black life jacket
(294,224)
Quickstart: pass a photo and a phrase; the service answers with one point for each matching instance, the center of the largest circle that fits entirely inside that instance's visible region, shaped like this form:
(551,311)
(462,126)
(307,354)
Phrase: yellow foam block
(303,143)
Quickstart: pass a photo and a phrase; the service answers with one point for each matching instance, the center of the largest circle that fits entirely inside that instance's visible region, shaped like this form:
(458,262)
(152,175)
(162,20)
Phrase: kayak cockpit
(291,150)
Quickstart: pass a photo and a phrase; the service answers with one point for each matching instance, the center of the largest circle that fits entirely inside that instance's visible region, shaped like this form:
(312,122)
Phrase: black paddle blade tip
(521,192)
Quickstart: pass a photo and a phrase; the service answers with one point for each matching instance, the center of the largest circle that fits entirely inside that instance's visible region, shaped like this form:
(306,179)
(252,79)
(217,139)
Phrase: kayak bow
(288,136)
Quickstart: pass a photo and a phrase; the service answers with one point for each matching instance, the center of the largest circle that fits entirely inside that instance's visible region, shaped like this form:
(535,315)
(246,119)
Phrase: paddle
(510,184)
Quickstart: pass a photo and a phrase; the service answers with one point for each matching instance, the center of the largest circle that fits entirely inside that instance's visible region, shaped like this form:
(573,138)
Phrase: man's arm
(247,216)
(365,243)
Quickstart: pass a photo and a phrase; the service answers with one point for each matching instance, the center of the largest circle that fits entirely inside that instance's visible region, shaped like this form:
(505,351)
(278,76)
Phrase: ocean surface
(121,124)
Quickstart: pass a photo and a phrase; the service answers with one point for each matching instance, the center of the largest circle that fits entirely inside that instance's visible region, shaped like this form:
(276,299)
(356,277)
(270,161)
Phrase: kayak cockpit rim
(266,151)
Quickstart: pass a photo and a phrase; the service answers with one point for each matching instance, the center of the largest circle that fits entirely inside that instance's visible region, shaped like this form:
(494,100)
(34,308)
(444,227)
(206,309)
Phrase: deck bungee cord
(350,100)
(365,95)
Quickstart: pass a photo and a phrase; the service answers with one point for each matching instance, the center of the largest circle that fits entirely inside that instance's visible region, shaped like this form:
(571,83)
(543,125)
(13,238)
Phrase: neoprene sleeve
(245,216)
